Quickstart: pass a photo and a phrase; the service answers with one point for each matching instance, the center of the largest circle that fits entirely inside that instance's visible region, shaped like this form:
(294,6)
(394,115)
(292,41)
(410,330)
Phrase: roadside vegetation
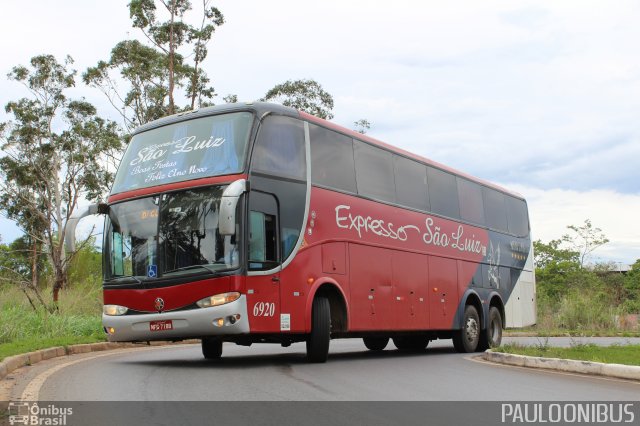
(27,326)
(614,354)
(579,298)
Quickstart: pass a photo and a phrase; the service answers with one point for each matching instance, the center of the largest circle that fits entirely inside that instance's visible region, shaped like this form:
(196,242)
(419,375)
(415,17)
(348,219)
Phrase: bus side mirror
(72,223)
(230,198)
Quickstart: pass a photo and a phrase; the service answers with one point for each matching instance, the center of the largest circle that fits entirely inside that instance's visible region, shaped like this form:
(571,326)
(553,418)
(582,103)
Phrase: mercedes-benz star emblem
(159,304)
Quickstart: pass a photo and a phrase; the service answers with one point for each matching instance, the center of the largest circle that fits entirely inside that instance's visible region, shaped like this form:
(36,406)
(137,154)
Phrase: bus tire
(375,343)
(411,343)
(318,339)
(211,348)
(492,336)
(466,339)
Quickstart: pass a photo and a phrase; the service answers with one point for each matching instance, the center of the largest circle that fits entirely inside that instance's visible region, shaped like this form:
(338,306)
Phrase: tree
(230,99)
(632,287)
(304,95)
(554,266)
(586,239)
(55,151)
(362,126)
(20,266)
(152,73)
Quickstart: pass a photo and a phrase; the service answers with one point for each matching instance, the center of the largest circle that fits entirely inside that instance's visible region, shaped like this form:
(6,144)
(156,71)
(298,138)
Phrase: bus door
(263,256)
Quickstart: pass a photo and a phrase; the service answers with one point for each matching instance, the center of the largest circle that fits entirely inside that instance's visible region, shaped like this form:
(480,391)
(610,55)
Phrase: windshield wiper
(125,277)
(207,267)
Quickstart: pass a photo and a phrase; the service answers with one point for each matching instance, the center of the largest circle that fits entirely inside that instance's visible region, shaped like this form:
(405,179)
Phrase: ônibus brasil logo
(30,413)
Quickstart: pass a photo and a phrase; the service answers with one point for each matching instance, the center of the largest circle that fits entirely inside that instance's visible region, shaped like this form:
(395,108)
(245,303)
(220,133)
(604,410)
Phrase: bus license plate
(161,325)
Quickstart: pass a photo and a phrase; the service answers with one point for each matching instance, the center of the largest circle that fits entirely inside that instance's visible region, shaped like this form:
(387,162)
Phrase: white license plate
(161,325)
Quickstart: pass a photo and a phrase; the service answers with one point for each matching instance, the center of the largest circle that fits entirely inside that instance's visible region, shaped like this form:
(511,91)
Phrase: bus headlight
(218,299)
(114,310)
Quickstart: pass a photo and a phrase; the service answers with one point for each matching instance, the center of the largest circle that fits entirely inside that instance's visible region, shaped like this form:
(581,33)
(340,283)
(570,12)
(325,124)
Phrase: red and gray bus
(256,223)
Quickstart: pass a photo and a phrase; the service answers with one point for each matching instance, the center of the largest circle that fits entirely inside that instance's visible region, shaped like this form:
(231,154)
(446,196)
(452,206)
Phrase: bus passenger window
(471,205)
(517,217)
(332,163)
(443,193)
(279,149)
(374,172)
(495,210)
(411,183)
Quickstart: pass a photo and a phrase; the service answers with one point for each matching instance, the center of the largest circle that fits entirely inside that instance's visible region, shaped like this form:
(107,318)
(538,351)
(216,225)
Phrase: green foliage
(585,240)
(33,344)
(614,354)
(21,324)
(574,297)
(86,266)
(230,99)
(362,126)
(554,267)
(55,151)
(24,329)
(152,73)
(304,95)
(631,286)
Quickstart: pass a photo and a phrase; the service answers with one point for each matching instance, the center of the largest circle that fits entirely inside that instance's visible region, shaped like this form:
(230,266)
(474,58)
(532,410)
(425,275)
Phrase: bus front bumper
(230,318)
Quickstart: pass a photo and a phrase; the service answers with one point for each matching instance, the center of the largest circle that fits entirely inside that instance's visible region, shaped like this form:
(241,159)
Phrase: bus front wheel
(466,339)
(211,348)
(318,339)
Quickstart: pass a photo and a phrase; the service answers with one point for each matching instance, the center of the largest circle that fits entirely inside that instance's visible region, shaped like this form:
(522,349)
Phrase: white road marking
(32,390)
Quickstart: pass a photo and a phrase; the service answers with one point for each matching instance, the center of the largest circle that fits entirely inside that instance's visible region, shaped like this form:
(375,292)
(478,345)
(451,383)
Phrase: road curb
(619,371)
(12,363)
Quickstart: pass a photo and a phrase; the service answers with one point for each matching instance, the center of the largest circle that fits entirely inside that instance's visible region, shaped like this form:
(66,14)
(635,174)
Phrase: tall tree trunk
(34,276)
(172,52)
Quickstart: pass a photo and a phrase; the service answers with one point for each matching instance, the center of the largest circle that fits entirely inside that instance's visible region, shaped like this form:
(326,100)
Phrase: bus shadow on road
(259,360)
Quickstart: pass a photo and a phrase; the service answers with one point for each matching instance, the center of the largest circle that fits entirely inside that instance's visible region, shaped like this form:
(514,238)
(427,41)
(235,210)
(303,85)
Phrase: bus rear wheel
(492,336)
(318,339)
(211,348)
(411,343)
(375,343)
(466,339)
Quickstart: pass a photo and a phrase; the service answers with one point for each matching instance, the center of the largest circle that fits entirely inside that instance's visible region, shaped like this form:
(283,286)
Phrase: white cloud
(551,211)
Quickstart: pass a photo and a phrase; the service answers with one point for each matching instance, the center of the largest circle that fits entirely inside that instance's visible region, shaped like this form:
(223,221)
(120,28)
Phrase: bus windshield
(168,234)
(192,149)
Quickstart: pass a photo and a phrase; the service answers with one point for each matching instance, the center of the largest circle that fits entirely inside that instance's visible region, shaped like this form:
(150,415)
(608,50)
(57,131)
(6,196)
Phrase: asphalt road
(273,373)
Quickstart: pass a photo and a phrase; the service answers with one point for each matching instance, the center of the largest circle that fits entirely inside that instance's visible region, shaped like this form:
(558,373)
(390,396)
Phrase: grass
(564,332)
(30,345)
(614,354)
(23,329)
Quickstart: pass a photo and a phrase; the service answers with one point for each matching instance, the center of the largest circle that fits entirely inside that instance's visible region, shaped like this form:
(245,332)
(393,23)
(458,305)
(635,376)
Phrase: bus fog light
(218,322)
(110,330)
(218,299)
(113,310)
(234,318)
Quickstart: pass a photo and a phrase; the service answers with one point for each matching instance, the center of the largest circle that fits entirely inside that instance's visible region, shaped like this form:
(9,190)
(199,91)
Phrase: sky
(542,97)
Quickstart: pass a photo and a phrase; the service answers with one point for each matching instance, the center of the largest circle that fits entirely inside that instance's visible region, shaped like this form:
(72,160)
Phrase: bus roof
(262,108)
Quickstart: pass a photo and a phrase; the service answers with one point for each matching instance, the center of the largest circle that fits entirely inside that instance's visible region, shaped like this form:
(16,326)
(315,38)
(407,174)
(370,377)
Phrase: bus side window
(262,241)
(279,149)
(263,231)
(471,203)
(443,193)
(332,163)
(495,210)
